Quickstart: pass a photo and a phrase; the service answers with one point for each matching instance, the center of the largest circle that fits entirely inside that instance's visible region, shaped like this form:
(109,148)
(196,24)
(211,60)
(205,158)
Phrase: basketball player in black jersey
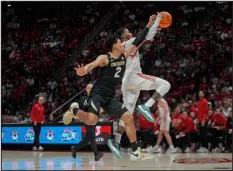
(90,130)
(112,68)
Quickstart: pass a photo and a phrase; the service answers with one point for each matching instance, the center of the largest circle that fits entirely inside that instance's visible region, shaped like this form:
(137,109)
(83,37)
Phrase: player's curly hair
(110,41)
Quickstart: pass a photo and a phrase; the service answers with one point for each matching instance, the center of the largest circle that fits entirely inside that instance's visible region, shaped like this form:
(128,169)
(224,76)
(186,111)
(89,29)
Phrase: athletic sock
(134,146)
(118,138)
(150,102)
(171,147)
(156,146)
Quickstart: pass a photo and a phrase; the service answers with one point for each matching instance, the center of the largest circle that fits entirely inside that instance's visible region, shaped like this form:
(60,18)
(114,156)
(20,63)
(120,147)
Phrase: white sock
(171,147)
(118,138)
(150,102)
(156,147)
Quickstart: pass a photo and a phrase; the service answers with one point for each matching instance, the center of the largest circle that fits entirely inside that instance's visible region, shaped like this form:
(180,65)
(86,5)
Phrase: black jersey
(110,76)
(83,103)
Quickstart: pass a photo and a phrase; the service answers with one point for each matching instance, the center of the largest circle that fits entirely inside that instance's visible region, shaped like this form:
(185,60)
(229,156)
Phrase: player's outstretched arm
(140,37)
(100,61)
(152,31)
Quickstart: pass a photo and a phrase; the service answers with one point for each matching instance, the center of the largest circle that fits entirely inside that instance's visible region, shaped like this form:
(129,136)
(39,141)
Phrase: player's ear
(114,46)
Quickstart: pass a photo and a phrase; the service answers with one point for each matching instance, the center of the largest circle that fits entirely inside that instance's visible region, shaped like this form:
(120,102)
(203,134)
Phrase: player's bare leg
(131,133)
(169,141)
(159,140)
(130,107)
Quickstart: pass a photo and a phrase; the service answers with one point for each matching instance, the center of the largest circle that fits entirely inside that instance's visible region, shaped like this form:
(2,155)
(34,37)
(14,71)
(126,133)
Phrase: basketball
(166,20)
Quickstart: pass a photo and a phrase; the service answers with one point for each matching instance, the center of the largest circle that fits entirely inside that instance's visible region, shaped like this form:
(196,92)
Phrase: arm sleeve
(140,37)
(150,35)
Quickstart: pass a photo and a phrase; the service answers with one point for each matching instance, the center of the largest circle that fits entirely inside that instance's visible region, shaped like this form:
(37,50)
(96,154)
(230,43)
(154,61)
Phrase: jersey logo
(135,154)
(94,107)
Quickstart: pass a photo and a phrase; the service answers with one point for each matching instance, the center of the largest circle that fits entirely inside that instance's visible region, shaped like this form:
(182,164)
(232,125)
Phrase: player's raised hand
(80,71)
(152,19)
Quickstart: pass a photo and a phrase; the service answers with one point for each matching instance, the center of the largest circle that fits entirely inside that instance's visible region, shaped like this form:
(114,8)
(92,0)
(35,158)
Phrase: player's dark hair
(110,41)
(120,32)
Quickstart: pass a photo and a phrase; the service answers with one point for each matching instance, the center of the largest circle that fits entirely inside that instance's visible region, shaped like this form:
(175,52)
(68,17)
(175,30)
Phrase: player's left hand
(80,71)
(152,19)
(180,134)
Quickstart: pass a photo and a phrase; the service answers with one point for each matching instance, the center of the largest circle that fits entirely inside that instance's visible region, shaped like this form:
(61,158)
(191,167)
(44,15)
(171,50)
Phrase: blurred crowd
(36,42)
(193,55)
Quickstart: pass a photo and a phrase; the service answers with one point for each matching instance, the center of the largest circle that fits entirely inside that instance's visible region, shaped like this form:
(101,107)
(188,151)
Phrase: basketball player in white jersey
(134,80)
(165,120)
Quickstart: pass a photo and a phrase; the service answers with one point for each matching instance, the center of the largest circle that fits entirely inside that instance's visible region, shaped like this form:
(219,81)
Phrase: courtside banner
(52,134)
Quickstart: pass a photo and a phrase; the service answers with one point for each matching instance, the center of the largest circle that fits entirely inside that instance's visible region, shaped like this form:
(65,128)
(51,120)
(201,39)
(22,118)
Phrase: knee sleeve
(130,107)
(163,88)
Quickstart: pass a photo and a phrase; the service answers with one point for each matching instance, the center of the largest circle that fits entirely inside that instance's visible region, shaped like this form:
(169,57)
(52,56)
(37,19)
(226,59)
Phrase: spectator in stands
(202,120)
(229,132)
(226,108)
(188,134)
(37,116)
(177,113)
(217,126)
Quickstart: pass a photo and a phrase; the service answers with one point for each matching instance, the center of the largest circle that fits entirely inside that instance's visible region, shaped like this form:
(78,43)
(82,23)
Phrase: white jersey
(133,61)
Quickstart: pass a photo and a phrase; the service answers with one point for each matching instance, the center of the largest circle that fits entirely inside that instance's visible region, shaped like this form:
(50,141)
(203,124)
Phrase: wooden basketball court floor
(28,160)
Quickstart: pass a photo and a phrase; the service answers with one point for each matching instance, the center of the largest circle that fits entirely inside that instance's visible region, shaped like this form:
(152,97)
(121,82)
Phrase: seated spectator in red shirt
(217,127)
(177,113)
(187,132)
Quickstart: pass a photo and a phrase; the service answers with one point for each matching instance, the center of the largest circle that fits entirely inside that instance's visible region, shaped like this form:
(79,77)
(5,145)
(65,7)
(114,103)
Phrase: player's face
(119,46)
(201,94)
(41,100)
(185,115)
(210,112)
(177,111)
(127,34)
(88,88)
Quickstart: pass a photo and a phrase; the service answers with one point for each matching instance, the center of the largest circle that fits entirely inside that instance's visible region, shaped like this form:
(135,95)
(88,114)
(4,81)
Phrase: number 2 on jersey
(118,70)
